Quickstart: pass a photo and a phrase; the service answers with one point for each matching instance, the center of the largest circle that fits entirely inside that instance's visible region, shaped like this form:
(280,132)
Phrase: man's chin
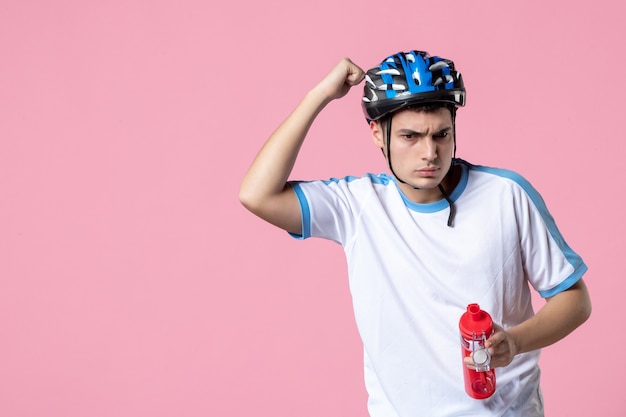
(419,185)
(425,183)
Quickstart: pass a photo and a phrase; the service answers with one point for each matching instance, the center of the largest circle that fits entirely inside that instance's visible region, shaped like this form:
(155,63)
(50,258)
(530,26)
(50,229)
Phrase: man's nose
(429,151)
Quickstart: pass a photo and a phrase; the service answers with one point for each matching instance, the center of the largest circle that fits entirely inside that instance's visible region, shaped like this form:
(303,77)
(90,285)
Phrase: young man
(422,243)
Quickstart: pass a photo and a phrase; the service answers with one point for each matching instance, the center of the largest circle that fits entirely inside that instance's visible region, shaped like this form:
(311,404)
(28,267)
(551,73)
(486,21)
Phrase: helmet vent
(394,87)
(417,77)
(438,66)
(390,71)
(448,79)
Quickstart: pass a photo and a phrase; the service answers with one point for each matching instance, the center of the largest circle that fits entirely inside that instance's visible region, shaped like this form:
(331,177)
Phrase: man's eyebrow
(406,131)
(409,132)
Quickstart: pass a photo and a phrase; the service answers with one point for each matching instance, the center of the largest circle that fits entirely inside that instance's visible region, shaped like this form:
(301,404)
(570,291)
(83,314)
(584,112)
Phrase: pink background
(132,282)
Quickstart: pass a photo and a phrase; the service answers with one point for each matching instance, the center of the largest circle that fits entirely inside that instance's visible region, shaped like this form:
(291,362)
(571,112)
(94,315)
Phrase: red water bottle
(476,327)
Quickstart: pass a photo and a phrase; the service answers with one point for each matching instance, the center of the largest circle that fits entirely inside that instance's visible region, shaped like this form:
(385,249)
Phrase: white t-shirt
(412,277)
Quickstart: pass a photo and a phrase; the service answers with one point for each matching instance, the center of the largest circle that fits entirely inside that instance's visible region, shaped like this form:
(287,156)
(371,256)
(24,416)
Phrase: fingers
(469,362)
(497,337)
(501,348)
(354,73)
(345,75)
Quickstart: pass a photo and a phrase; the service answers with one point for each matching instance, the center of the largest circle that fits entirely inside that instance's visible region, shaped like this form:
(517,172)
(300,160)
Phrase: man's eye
(440,135)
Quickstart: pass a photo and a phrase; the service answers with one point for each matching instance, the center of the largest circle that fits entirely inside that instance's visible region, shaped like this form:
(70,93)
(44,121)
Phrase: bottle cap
(475,322)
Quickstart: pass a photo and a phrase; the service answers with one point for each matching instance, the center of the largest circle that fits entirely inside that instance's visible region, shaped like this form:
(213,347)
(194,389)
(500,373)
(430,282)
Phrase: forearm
(561,315)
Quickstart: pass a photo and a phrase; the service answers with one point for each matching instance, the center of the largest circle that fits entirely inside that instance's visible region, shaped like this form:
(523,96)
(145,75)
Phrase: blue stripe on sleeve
(305,213)
(571,280)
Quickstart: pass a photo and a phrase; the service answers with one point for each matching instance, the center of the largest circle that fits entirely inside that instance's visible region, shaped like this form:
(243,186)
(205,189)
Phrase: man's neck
(432,195)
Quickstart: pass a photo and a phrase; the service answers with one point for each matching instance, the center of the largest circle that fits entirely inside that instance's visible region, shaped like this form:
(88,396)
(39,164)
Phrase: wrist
(517,340)
(320,94)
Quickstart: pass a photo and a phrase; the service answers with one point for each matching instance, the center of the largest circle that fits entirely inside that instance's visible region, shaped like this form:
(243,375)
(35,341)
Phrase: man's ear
(376,129)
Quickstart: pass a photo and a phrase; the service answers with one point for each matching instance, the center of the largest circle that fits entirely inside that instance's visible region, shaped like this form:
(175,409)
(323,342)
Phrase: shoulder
(347,182)
(504,176)
(353,189)
(494,171)
(368,178)
(500,181)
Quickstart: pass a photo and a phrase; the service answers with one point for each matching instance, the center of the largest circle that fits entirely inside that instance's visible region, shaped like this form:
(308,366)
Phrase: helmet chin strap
(452,213)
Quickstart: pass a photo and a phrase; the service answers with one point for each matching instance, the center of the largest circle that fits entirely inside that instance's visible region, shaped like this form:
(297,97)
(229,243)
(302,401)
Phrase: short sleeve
(550,263)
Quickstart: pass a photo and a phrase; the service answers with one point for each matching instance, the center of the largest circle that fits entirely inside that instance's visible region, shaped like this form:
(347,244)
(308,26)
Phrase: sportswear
(411,278)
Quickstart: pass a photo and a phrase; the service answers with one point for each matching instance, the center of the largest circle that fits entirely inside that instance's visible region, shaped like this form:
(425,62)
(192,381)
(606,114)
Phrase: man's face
(422,146)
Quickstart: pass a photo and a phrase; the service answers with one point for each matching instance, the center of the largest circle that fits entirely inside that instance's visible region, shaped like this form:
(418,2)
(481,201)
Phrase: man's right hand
(345,75)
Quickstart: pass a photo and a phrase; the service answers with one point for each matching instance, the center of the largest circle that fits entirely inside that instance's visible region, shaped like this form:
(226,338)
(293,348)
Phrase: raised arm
(264,189)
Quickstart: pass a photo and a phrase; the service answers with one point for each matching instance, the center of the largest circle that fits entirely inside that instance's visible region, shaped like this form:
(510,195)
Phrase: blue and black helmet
(411,78)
